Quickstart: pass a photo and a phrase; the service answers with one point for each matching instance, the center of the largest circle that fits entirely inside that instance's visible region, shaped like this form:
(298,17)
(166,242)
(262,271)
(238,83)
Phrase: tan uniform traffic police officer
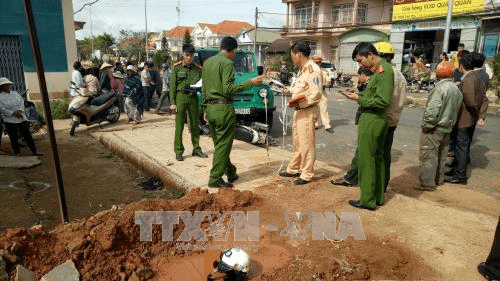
(184,74)
(308,83)
(323,103)
(218,92)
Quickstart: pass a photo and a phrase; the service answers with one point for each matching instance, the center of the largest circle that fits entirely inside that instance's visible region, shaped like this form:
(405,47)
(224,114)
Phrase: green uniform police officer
(218,92)
(184,74)
(372,127)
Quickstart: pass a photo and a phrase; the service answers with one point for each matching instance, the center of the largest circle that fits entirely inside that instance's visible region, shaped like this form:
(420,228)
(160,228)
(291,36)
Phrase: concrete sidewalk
(151,146)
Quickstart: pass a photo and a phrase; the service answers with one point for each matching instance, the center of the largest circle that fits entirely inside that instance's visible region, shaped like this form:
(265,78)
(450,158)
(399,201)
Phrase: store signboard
(423,9)
(462,23)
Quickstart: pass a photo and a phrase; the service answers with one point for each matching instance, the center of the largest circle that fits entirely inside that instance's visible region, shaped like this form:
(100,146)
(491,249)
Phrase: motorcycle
(84,113)
(342,81)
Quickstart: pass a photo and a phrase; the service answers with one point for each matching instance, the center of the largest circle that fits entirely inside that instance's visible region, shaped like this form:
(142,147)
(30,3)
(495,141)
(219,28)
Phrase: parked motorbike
(343,81)
(84,113)
(415,85)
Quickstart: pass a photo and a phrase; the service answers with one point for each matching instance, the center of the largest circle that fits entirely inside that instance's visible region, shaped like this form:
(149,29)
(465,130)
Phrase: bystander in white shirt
(77,79)
(10,103)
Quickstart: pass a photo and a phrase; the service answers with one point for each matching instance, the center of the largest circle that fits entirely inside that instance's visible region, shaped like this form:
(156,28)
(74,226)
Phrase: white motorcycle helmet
(235,263)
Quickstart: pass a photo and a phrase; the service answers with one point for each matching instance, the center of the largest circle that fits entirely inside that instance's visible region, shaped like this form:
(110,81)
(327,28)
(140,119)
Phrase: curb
(142,161)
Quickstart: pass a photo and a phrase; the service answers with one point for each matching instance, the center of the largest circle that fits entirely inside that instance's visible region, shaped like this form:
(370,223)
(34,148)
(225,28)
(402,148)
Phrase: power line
(84,5)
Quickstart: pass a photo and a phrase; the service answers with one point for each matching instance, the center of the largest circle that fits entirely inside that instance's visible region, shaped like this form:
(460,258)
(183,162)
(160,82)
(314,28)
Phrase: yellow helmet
(384,48)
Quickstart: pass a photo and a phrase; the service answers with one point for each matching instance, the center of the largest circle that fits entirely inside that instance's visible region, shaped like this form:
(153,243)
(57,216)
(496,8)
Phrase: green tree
(164,44)
(187,38)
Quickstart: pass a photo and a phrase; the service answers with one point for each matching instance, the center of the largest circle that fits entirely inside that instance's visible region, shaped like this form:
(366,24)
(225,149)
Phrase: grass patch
(59,108)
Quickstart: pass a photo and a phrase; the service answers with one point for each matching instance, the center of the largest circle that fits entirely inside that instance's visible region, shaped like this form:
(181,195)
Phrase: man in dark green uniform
(185,73)
(372,127)
(218,92)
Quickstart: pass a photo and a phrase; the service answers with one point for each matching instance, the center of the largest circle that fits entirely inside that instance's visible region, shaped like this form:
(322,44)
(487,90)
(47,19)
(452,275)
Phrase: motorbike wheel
(74,124)
(115,118)
(350,84)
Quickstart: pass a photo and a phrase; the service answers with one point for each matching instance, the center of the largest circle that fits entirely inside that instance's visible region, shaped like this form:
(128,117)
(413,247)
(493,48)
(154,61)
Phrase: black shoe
(300,181)
(357,204)
(486,272)
(449,173)
(200,154)
(330,130)
(221,184)
(179,157)
(287,175)
(341,182)
(456,181)
(231,180)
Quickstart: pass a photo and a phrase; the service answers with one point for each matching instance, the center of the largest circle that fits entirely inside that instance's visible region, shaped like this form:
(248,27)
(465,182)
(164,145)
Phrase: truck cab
(250,105)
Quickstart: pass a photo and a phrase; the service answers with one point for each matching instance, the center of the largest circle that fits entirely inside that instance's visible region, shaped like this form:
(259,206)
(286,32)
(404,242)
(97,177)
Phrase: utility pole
(178,8)
(146,18)
(37,57)
(448,26)
(91,35)
(255,33)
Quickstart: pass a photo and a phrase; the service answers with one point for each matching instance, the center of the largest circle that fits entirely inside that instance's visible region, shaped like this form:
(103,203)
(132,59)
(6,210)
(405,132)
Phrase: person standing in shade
(134,98)
(440,115)
(165,93)
(350,178)
(386,51)
(372,127)
(185,103)
(323,104)
(310,84)
(218,89)
(12,113)
(146,85)
(473,91)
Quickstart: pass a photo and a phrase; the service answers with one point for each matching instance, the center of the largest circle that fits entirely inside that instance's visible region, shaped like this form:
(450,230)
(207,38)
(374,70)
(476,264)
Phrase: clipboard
(297,99)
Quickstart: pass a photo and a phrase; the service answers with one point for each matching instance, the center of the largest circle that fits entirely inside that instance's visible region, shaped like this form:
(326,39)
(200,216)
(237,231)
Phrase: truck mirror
(260,70)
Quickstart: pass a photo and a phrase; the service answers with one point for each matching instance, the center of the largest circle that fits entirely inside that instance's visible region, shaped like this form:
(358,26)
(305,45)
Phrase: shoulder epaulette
(199,66)
(178,63)
(311,70)
(381,69)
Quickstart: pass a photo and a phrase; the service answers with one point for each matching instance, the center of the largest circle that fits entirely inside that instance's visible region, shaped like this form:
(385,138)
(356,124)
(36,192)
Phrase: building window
(304,17)
(342,14)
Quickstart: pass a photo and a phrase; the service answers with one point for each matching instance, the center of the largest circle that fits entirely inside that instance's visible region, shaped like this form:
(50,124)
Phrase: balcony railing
(341,16)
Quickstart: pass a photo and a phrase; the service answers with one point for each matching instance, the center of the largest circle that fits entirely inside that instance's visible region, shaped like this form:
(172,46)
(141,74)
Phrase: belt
(219,101)
(370,110)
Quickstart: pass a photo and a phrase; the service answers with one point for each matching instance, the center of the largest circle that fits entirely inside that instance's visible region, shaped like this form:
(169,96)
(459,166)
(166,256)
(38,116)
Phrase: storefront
(426,38)
(420,26)
(490,34)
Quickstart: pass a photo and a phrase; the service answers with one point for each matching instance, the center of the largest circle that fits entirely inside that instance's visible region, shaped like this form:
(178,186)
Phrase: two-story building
(264,39)
(206,35)
(174,38)
(56,35)
(334,27)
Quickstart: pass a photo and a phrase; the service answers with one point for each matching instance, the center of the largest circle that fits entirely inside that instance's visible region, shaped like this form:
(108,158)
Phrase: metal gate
(11,61)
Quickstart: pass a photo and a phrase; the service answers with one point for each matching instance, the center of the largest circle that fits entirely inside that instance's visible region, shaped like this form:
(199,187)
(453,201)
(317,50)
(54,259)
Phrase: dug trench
(107,246)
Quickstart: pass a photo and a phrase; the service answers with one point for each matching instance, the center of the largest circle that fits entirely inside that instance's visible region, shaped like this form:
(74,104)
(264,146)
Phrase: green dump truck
(250,105)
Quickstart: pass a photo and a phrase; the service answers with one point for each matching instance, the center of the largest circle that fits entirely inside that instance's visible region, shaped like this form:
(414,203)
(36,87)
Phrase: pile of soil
(106,246)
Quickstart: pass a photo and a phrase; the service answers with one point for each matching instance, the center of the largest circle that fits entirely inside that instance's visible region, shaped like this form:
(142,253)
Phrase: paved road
(338,148)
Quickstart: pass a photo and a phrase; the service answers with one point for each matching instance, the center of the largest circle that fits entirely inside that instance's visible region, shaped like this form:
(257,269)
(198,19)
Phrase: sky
(111,16)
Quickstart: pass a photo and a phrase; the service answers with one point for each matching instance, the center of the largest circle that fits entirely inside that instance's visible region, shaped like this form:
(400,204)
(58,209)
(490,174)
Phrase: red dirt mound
(106,246)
